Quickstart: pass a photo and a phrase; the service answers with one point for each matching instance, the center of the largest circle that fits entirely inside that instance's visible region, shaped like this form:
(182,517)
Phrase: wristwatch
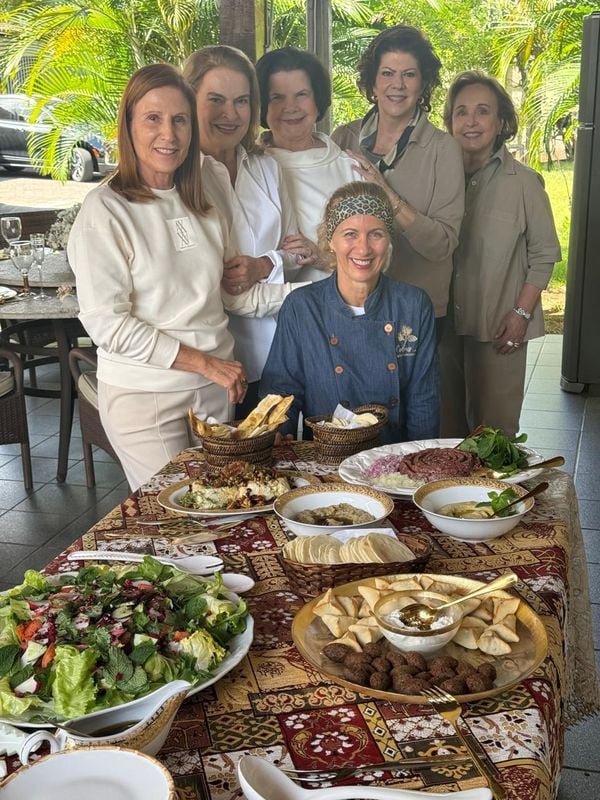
(522,313)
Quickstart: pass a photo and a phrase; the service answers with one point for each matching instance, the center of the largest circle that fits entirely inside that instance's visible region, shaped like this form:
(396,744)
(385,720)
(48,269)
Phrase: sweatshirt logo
(182,233)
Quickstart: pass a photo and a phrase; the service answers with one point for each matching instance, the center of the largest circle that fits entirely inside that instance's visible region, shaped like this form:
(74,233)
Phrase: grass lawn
(559,183)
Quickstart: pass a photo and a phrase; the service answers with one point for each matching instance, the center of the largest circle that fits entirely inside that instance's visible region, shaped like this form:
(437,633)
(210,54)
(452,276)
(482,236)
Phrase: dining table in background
(55,272)
(21,319)
(277,705)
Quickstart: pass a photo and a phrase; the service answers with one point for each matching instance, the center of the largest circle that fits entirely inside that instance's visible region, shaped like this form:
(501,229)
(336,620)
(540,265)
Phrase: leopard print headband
(364,204)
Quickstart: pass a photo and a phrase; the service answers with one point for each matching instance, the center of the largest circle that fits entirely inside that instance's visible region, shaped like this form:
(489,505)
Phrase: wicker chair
(92,432)
(13,412)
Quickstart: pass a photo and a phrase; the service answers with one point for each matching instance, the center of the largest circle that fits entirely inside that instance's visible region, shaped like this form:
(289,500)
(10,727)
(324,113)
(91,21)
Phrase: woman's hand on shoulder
(242,272)
(301,250)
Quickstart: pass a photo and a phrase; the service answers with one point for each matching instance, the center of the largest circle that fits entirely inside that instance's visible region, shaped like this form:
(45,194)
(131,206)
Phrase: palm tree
(79,55)
(542,40)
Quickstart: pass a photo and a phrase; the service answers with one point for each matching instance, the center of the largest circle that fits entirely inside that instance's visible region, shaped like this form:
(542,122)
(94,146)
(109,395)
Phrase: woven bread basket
(333,445)
(310,580)
(219,451)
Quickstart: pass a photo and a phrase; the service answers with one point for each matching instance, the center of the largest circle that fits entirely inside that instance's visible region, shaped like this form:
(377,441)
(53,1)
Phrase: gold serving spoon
(420,616)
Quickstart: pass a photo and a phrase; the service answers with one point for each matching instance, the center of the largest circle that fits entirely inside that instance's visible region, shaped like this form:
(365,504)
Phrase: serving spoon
(196,565)
(420,616)
(261,780)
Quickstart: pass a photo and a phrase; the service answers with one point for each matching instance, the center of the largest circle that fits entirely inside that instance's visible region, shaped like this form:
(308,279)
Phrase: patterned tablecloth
(276,705)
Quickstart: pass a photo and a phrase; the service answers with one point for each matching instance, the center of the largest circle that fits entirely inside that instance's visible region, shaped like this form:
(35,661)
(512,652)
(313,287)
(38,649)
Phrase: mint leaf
(142,652)
(8,656)
(135,683)
(119,667)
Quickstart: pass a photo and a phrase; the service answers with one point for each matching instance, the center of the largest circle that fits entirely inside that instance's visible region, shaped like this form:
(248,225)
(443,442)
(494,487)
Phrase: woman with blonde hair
(506,253)
(246,186)
(148,255)
(372,339)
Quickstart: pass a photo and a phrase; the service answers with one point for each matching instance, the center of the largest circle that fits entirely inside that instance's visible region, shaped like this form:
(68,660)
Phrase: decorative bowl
(415,639)
(289,505)
(430,497)
(97,773)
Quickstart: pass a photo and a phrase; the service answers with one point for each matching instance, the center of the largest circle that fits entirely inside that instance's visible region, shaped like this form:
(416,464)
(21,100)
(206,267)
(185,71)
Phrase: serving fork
(450,709)
(340,773)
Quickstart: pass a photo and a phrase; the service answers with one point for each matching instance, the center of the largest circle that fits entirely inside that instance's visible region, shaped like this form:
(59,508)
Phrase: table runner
(277,705)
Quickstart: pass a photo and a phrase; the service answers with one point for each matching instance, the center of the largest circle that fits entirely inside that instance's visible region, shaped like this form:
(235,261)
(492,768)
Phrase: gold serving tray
(310,636)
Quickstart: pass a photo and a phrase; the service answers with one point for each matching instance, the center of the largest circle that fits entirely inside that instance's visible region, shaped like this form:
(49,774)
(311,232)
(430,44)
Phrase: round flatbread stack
(370,548)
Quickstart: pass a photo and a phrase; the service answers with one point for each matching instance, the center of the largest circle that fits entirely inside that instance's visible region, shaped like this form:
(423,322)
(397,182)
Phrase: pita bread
(507,629)
(366,633)
(469,632)
(349,640)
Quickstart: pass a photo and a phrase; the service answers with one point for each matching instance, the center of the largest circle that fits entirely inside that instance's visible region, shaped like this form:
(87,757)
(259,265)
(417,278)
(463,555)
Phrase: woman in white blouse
(245,185)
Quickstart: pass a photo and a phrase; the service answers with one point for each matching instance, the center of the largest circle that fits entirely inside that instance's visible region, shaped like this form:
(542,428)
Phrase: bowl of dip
(442,630)
(452,506)
(331,507)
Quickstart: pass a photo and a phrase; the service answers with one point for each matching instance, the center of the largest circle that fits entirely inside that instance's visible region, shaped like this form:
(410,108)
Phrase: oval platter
(310,636)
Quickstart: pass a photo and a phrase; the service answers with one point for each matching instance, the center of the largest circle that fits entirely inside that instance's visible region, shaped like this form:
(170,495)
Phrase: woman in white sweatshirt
(148,256)
(295,93)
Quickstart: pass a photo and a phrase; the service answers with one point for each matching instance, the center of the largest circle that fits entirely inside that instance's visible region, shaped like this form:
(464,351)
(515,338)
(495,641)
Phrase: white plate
(238,647)
(6,293)
(170,498)
(352,469)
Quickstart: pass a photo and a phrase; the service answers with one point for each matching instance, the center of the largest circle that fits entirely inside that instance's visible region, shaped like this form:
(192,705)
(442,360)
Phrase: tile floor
(35,527)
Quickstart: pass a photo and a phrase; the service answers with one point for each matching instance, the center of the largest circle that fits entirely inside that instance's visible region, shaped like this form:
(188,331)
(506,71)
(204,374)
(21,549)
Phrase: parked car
(89,155)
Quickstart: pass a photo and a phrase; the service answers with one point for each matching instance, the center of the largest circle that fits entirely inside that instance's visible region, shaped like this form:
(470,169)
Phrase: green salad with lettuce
(73,644)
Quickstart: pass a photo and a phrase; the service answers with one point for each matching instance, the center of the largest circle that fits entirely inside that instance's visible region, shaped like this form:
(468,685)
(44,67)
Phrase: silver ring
(516,344)
(244,382)
(238,288)
(509,343)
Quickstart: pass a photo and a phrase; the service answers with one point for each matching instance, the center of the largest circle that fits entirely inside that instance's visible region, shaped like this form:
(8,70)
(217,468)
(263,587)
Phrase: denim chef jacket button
(393,402)
(339,370)
(392,367)
(388,327)
(333,340)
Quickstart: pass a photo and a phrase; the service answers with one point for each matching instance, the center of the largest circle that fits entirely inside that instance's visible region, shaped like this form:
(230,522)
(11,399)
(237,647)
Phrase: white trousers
(147,429)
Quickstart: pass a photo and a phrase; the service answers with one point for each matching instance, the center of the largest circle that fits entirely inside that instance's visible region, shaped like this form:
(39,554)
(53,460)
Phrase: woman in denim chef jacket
(358,337)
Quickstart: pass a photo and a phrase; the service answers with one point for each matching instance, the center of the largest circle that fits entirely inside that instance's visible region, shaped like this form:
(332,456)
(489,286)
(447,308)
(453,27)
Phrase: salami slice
(437,463)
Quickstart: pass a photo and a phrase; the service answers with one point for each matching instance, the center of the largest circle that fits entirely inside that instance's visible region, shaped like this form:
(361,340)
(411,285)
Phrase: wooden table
(277,705)
(24,318)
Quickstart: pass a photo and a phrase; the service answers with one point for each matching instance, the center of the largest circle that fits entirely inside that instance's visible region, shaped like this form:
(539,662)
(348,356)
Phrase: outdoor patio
(34,528)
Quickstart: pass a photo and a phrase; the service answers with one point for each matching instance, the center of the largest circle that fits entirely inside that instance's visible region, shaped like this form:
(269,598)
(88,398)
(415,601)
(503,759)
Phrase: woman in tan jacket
(507,250)
(419,166)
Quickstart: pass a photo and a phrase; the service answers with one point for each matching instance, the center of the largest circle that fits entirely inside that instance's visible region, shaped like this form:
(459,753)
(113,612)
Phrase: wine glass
(21,255)
(10,227)
(38,243)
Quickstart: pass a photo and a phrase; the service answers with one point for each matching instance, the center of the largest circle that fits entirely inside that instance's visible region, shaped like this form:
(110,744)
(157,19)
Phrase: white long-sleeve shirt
(311,177)
(149,279)
(260,215)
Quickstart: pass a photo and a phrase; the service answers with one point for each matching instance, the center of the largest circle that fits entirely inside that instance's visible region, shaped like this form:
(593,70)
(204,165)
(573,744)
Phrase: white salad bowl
(308,498)
(430,497)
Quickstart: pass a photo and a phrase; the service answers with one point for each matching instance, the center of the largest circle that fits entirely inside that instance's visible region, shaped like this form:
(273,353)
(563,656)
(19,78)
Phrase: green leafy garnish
(497,451)
(499,501)
(8,656)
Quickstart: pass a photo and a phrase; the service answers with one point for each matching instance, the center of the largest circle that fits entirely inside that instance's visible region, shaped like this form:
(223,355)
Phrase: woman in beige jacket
(419,166)
(507,250)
